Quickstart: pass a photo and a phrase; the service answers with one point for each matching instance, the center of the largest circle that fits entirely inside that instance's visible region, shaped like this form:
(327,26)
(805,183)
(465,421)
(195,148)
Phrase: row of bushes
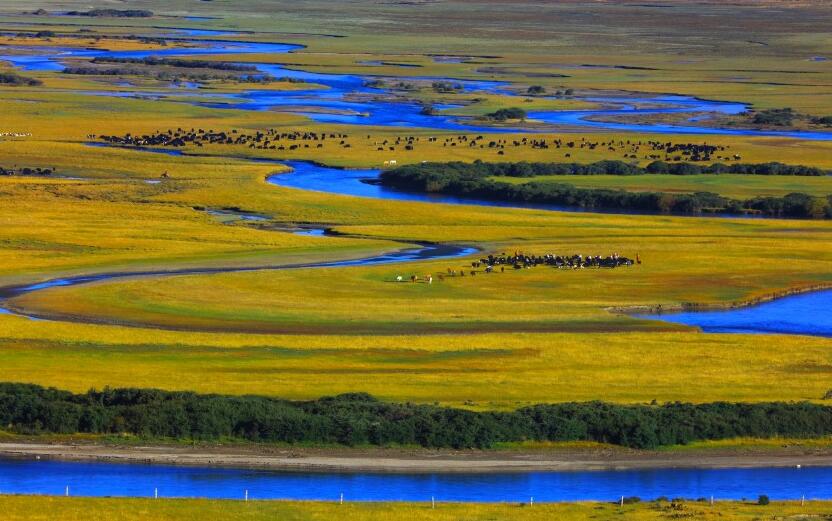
(113,13)
(177,62)
(10,78)
(462,182)
(166,74)
(360,419)
(612,167)
(506,114)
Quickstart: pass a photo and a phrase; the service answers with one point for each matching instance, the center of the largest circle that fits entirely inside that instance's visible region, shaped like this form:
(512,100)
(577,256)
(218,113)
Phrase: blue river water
(348,99)
(139,480)
(807,314)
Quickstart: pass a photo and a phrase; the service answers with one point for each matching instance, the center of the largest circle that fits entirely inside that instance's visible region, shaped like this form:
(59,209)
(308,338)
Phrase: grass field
(536,335)
(71,509)
(485,342)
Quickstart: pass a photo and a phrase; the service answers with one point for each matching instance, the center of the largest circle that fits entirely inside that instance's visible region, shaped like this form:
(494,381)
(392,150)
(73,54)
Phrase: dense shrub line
(113,13)
(358,419)
(10,78)
(609,167)
(473,180)
(178,62)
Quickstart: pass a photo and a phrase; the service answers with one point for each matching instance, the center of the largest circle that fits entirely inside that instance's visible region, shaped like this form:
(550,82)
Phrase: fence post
(341,501)
(66,491)
(432,502)
(246,495)
(156,493)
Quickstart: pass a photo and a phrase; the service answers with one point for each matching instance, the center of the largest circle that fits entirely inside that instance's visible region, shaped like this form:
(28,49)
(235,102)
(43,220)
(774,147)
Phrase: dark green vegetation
(473,180)
(506,114)
(787,117)
(167,69)
(113,13)
(27,171)
(823,120)
(775,117)
(360,419)
(10,78)
(178,62)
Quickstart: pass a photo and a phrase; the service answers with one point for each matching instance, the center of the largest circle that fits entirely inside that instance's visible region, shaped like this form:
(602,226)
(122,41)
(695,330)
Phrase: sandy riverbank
(415,460)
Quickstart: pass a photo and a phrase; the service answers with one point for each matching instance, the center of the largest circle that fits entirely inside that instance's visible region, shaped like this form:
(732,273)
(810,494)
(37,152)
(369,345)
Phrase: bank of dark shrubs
(775,117)
(10,78)
(607,167)
(474,180)
(360,419)
(506,114)
(177,62)
(113,13)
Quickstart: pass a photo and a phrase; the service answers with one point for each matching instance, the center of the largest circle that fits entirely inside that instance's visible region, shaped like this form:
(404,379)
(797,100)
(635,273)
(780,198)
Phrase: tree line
(611,167)
(360,419)
(178,62)
(113,13)
(474,180)
(10,78)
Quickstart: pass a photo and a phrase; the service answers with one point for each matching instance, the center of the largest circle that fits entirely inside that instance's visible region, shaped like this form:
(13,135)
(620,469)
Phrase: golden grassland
(483,371)
(71,509)
(537,335)
(116,221)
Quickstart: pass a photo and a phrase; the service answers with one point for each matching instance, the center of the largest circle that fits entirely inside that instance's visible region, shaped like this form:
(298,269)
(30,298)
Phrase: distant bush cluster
(27,171)
(113,13)
(775,117)
(506,114)
(181,63)
(360,419)
(171,69)
(474,180)
(10,78)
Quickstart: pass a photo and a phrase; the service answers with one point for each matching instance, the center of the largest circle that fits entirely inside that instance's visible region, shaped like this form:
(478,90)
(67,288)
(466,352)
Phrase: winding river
(344,98)
(348,99)
(26,476)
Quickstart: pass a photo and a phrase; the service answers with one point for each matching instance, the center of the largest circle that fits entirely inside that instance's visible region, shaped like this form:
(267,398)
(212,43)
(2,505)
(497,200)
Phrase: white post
(432,502)
(66,492)
(802,499)
(531,501)
(712,501)
(621,503)
(156,493)
(341,501)
(246,495)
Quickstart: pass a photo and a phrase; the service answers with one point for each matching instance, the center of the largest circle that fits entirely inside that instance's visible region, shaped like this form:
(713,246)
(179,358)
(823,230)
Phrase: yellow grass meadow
(72,509)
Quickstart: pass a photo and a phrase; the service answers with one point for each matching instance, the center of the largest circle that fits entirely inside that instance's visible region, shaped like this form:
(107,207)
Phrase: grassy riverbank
(541,335)
(33,508)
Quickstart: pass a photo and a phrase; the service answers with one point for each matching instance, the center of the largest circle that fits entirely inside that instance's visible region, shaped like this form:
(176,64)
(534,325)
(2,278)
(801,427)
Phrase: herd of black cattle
(26,171)
(519,261)
(275,139)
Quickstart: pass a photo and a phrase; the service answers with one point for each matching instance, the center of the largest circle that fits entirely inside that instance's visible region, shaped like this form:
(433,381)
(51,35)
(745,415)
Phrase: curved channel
(351,98)
(806,314)
(421,252)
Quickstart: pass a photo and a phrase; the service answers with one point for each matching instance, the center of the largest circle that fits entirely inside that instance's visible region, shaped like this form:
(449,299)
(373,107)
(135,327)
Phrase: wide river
(115,479)
(348,99)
